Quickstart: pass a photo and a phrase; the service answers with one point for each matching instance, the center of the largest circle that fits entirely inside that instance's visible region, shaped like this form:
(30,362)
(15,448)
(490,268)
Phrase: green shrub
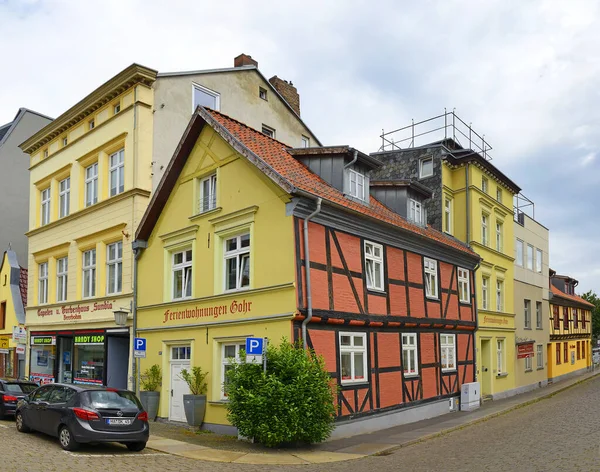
(151,379)
(293,402)
(195,380)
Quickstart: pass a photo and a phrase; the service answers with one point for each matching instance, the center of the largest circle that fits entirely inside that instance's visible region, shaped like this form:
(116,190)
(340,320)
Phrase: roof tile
(575,298)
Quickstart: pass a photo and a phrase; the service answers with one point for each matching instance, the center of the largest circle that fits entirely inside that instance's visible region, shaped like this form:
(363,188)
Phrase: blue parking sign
(139,347)
(254,346)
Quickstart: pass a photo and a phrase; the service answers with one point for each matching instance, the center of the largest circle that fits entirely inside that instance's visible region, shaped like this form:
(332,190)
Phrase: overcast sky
(525,74)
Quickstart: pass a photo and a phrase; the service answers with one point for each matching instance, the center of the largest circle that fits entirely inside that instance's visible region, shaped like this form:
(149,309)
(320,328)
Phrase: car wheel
(136,446)
(67,442)
(20,422)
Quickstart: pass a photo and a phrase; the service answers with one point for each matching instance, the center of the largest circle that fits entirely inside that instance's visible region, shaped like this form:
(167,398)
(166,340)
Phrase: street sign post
(139,347)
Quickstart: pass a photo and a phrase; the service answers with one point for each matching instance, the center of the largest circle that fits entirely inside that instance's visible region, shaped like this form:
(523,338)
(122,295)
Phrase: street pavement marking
(121,454)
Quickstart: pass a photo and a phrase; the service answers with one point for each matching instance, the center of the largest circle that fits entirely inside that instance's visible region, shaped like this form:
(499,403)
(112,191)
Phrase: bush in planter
(195,380)
(194,404)
(151,381)
(292,403)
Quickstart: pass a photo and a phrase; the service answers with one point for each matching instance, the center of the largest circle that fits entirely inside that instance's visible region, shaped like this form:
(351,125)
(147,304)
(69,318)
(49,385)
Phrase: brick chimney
(287,91)
(244,60)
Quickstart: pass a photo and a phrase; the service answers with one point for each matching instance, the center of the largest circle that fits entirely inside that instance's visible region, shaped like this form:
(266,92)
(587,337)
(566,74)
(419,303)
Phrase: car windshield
(19,387)
(110,399)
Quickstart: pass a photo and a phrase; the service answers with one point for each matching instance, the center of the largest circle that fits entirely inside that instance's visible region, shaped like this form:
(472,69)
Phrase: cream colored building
(531,303)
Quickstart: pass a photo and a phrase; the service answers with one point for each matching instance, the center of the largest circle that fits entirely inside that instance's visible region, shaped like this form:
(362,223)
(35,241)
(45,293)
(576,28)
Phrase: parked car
(84,414)
(11,391)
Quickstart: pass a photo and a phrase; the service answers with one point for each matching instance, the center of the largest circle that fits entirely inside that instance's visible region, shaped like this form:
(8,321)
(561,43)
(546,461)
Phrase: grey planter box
(194,407)
(150,402)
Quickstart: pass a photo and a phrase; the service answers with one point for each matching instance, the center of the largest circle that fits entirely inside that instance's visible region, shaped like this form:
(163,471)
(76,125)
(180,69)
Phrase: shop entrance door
(65,352)
(117,362)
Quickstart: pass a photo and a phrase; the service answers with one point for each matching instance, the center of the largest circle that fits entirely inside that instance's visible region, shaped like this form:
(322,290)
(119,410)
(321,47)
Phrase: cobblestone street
(556,434)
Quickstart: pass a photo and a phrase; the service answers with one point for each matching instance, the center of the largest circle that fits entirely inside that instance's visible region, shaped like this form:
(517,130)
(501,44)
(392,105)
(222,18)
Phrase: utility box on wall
(470,396)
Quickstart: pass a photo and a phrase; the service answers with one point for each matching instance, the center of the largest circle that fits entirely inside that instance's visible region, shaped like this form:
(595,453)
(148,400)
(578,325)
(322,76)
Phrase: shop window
(42,359)
(237,262)
(464,292)
(410,360)
(89,273)
(230,354)
(88,361)
(114,265)
(117,173)
(182,274)
(448,349)
(431,287)
(353,357)
(374,265)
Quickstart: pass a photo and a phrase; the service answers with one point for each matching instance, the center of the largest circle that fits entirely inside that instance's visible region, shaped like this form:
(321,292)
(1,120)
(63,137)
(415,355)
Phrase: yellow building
(13,296)
(569,350)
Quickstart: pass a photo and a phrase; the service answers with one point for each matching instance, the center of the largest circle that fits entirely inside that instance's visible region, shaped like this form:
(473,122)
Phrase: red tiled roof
(276,155)
(574,298)
(23,285)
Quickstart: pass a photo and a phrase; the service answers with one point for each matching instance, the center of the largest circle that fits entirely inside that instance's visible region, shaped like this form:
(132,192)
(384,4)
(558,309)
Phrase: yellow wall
(6,297)
(246,202)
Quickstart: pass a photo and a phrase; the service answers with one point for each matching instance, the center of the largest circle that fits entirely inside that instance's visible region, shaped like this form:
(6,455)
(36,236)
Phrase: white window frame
(354,351)
(500,359)
(91,184)
(540,356)
(539,314)
(239,253)
(484,229)
(527,313)
(484,185)
(91,124)
(64,197)
(43,283)
(485,293)
(520,257)
(65,141)
(448,214)
(116,108)
(499,236)
(114,263)
(88,267)
(448,352)
(423,175)
(415,211)
(305,141)
(528,364)
(185,268)
(539,260)
(374,265)
(357,179)
(431,277)
(464,285)
(268,131)
(226,361)
(62,278)
(207,91)
(262,93)
(500,295)
(530,262)
(118,170)
(45,153)
(45,206)
(212,194)
(410,353)
(499,195)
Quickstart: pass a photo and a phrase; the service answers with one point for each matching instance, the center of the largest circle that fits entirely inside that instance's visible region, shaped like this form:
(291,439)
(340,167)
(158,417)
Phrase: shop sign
(43,340)
(524,350)
(236,307)
(495,320)
(4,341)
(73,312)
(19,335)
(20,349)
(89,339)
(42,379)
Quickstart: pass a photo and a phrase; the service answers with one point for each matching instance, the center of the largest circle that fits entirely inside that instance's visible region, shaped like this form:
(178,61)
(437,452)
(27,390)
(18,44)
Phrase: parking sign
(254,350)
(139,347)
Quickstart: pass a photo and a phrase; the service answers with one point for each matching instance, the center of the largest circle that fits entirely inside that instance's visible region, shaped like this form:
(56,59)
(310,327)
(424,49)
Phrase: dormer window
(415,211)
(356,188)
(426,167)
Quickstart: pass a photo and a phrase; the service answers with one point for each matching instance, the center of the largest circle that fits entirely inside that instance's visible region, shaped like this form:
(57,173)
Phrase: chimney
(244,60)
(287,91)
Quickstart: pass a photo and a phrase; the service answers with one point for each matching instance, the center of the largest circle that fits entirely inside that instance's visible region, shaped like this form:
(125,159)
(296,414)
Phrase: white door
(179,388)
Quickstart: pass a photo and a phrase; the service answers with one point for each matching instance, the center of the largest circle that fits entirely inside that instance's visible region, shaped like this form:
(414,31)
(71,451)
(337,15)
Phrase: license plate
(118,421)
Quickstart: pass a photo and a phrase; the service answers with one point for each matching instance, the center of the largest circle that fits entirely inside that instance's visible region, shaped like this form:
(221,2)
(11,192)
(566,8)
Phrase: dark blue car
(84,414)
(11,391)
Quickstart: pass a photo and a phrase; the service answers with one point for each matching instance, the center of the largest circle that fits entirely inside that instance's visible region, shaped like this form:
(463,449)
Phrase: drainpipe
(476,346)
(137,246)
(468,205)
(354,159)
(307,272)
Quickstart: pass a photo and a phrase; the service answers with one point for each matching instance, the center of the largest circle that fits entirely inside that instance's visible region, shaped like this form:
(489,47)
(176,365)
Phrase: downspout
(468,205)
(309,313)
(137,245)
(476,347)
(354,159)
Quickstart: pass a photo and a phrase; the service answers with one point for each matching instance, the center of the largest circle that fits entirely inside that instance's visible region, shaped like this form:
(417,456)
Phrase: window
(484,230)
(555,317)
(409,354)
(578,350)
(448,348)
(182,274)
(426,167)
(558,357)
(374,265)
(230,356)
(262,93)
(499,195)
(45,216)
(540,356)
(356,184)
(498,236)
(519,249)
(353,357)
(43,283)
(114,266)
(268,131)
(64,197)
(206,98)
(117,173)
(91,124)
(538,260)
(464,291)
(237,262)
(565,319)
(62,270)
(448,215)
(415,211)
(91,185)
(45,153)
(431,288)
(538,315)
(181,353)
(89,273)
(208,193)
(575,319)
(485,294)
(116,108)
(500,356)
(566,352)
(530,257)
(2,315)
(528,364)
(583,349)
(304,142)
(499,295)
(484,185)
(527,313)
(65,141)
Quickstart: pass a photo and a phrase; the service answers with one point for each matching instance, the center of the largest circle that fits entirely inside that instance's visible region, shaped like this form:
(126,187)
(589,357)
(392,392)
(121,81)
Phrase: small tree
(195,380)
(151,379)
(293,402)
(593,299)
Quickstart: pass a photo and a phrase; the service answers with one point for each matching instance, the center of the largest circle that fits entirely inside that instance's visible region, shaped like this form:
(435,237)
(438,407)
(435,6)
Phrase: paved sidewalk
(181,441)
